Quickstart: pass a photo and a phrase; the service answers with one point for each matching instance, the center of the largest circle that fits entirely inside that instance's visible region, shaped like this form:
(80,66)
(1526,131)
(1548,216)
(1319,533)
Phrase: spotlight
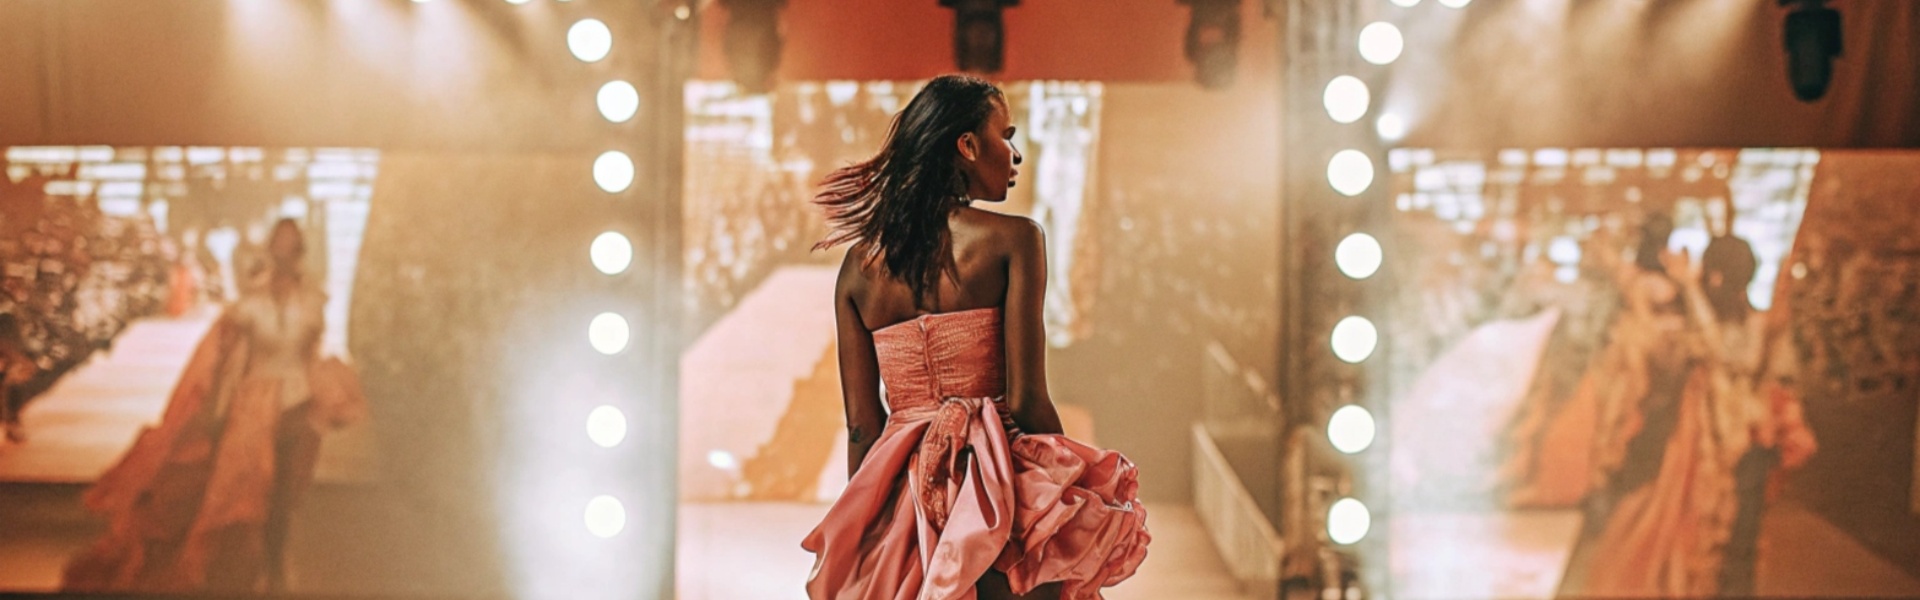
(1350,429)
(1812,41)
(618,101)
(1358,256)
(613,171)
(1213,41)
(1354,339)
(590,40)
(979,34)
(608,333)
(611,253)
(1347,521)
(753,42)
(606,426)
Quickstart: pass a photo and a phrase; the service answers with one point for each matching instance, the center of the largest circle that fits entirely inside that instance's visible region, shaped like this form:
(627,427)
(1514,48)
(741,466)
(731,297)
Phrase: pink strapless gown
(952,487)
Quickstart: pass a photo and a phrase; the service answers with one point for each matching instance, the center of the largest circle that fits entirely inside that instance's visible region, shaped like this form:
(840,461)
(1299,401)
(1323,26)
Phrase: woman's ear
(968,145)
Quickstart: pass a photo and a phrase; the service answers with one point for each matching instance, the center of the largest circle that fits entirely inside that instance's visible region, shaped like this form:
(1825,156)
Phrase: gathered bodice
(939,356)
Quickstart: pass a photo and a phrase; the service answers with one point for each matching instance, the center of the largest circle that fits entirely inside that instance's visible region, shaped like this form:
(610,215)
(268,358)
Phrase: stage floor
(717,539)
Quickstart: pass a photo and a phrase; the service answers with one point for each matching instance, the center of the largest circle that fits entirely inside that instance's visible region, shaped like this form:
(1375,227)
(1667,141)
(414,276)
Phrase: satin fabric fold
(947,493)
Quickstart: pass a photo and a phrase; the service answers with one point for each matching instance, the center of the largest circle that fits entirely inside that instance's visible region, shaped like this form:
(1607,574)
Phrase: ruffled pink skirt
(944,495)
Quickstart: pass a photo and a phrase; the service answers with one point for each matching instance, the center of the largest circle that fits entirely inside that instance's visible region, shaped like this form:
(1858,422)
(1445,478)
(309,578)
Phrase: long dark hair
(898,201)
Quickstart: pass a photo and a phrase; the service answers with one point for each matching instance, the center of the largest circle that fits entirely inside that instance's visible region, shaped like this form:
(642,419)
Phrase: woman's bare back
(983,242)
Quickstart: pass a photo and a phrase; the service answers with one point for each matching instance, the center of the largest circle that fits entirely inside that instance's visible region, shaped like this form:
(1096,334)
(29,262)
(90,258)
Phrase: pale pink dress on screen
(953,488)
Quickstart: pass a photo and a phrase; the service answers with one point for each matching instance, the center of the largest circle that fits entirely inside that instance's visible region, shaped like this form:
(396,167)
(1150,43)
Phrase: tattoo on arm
(856,435)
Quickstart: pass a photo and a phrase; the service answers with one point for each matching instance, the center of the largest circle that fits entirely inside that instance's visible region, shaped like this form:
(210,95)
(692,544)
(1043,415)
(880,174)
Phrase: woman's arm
(859,368)
(1026,332)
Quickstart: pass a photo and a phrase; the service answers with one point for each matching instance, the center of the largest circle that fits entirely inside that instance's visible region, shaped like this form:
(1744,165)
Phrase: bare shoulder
(1012,232)
(853,276)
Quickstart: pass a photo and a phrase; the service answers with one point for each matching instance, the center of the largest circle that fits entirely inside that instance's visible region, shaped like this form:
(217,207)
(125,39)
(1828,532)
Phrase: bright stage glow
(1454,3)
(606,426)
(605,516)
(1348,521)
(1354,339)
(1350,172)
(1406,3)
(1391,127)
(613,171)
(608,333)
(618,101)
(1380,43)
(590,40)
(1350,429)
(1358,256)
(1346,99)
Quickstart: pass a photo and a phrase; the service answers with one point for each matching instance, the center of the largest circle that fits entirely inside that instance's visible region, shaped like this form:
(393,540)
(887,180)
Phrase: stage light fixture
(613,171)
(1812,42)
(1354,339)
(590,40)
(1381,43)
(1350,429)
(1455,3)
(606,426)
(608,333)
(605,516)
(1348,521)
(979,34)
(1350,172)
(1358,256)
(1406,3)
(618,101)
(1346,99)
(753,42)
(611,253)
(1213,41)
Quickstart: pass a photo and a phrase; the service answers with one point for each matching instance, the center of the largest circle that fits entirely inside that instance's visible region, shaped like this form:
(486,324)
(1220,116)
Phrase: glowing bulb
(1391,127)
(590,40)
(1380,43)
(1358,256)
(618,101)
(1346,99)
(608,333)
(518,1)
(1350,172)
(605,516)
(1354,339)
(723,460)
(1454,3)
(1348,521)
(611,253)
(1406,3)
(613,171)
(1350,429)
(606,426)
(682,12)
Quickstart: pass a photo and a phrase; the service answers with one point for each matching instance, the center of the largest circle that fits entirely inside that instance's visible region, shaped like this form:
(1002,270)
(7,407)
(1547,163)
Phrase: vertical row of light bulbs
(590,41)
(1350,172)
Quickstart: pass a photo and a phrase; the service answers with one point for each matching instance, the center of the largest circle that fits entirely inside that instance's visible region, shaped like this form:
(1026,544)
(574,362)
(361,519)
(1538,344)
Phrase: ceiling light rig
(979,34)
(1213,41)
(753,42)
